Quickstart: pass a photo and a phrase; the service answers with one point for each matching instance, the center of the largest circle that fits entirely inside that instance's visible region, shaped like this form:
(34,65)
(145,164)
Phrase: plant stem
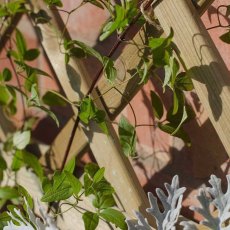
(95,81)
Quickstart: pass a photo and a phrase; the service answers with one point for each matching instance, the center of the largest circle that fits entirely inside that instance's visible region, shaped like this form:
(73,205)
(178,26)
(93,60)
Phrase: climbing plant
(59,185)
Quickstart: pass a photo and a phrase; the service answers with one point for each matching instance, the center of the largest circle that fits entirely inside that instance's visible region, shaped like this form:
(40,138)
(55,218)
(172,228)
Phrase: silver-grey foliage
(213,196)
(171,203)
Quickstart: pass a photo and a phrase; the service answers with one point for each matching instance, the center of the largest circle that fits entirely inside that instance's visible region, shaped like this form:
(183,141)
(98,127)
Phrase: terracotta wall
(160,155)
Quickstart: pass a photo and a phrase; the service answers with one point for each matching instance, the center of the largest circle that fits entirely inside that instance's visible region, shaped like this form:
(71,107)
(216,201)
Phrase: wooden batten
(205,65)
(203,5)
(106,149)
(113,101)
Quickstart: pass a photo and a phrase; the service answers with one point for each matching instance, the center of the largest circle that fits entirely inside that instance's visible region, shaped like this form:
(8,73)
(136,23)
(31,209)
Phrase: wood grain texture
(130,59)
(74,80)
(129,85)
(205,65)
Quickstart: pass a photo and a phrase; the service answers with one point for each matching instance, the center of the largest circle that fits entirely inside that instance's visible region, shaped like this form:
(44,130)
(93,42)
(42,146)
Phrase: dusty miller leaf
(213,196)
(167,219)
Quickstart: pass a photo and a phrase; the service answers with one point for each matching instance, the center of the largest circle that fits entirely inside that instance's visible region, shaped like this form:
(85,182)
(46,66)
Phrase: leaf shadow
(193,165)
(74,79)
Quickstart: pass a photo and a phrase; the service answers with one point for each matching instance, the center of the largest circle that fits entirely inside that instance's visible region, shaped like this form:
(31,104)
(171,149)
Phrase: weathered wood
(205,65)
(204,4)
(130,59)
(59,145)
(106,149)
(113,101)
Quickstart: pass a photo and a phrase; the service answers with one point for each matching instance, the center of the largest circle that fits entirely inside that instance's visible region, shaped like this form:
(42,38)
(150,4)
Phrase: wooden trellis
(201,57)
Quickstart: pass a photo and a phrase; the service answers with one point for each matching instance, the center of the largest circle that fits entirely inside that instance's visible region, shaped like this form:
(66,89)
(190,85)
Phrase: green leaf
(170,128)
(91,169)
(99,175)
(3,164)
(16,6)
(87,110)
(3,11)
(58,179)
(31,54)
(171,70)
(117,24)
(4,217)
(46,184)
(57,3)
(62,193)
(8,144)
(127,137)
(50,113)
(87,49)
(74,182)
(184,82)
(77,52)
(24,193)
(21,139)
(33,162)
(100,116)
(226,37)
(20,43)
(29,123)
(104,201)
(6,74)
(115,217)
(53,98)
(157,105)
(103,187)
(34,99)
(109,69)
(30,81)
(8,193)
(17,162)
(183,119)
(22,157)
(161,50)
(143,73)
(30,70)
(90,220)
(5,95)
(103,127)
(156,43)
(67,58)
(180,117)
(1,175)
(70,166)
(178,100)
(87,185)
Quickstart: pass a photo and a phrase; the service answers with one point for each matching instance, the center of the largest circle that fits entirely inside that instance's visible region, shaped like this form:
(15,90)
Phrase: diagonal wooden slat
(106,149)
(95,139)
(204,4)
(113,101)
(205,65)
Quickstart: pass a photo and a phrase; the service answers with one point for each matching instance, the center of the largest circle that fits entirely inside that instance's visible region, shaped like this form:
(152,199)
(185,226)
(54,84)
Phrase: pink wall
(161,156)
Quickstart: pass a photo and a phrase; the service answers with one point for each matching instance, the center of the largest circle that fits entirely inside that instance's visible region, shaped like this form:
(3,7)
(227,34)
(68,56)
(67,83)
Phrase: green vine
(58,186)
